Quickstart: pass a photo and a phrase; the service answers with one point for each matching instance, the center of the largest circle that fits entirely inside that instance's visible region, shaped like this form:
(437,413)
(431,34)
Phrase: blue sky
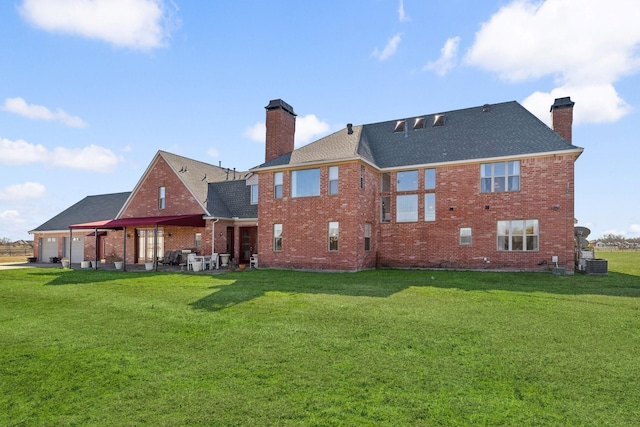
(90,90)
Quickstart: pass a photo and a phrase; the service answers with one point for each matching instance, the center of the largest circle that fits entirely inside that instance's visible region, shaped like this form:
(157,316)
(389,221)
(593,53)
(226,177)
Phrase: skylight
(419,123)
(399,126)
(438,120)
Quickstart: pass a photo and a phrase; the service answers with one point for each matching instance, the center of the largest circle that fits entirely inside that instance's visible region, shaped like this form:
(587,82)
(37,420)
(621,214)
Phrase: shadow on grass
(384,283)
(59,276)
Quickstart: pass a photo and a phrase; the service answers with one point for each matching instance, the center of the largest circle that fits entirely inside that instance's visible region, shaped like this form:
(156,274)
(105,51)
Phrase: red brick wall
(562,122)
(179,200)
(546,194)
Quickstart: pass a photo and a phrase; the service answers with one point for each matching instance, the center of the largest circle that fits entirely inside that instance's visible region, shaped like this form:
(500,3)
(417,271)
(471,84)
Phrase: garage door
(48,248)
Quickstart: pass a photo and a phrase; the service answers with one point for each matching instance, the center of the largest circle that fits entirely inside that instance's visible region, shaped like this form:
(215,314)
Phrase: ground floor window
(277,237)
(334,230)
(367,236)
(518,235)
(465,236)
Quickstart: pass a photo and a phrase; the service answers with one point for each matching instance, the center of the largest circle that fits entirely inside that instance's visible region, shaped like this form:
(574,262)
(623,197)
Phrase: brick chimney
(281,128)
(562,117)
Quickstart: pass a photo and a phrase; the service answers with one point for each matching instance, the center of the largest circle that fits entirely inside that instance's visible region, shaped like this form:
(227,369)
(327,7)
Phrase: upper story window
(407,180)
(407,208)
(385,182)
(429,179)
(385,209)
(254,194)
(162,193)
(518,235)
(499,177)
(277,185)
(305,183)
(333,179)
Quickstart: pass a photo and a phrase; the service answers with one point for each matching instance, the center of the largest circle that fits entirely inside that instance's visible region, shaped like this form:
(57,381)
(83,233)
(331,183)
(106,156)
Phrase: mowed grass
(288,348)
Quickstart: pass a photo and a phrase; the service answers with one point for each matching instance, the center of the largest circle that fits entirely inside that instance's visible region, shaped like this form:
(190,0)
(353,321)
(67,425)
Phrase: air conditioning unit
(596,266)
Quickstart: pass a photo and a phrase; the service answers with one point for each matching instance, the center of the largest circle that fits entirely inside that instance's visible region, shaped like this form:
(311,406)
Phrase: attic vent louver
(349,128)
(399,126)
(419,123)
(438,120)
(486,108)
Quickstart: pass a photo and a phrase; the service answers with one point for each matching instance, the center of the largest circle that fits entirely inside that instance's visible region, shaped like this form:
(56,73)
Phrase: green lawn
(286,348)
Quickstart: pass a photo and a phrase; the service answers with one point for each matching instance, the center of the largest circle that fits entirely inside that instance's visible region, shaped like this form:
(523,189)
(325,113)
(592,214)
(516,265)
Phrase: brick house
(483,187)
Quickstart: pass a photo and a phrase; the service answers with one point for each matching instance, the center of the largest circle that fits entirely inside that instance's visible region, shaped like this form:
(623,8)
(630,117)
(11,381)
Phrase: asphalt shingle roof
(504,129)
(90,209)
(231,199)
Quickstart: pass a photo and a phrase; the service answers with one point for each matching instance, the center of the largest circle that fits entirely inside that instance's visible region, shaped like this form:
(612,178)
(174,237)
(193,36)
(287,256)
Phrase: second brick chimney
(562,117)
(281,128)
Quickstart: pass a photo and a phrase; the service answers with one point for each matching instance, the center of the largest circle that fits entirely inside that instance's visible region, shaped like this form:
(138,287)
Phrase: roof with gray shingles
(231,199)
(506,129)
(197,175)
(90,209)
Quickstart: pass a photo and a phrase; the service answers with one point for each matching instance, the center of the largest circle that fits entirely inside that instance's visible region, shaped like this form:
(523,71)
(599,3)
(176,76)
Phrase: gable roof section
(502,130)
(231,199)
(90,209)
(194,174)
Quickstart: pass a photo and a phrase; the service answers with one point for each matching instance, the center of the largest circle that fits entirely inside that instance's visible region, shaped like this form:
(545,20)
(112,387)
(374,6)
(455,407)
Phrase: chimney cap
(279,103)
(562,103)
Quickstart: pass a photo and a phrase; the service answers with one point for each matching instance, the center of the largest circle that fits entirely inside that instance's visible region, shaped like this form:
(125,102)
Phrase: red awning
(186,220)
(92,225)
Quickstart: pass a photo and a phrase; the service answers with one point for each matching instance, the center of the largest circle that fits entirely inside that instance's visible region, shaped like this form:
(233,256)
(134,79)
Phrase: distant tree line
(619,241)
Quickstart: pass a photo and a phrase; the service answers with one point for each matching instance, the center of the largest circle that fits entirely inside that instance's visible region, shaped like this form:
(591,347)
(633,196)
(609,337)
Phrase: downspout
(70,244)
(124,248)
(95,261)
(155,248)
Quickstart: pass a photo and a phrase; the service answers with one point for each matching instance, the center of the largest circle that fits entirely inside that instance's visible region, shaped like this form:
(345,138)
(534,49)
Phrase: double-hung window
(254,194)
(162,196)
(277,185)
(518,235)
(333,179)
(500,177)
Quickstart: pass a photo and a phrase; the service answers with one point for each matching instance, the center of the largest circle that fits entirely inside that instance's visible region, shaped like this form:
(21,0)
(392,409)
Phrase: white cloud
(634,229)
(585,46)
(38,112)
(594,104)
(28,190)
(307,128)
(256,132)
(402,16)
(213,152)
(92,157)
(448,57)
(138,24)
(389,50)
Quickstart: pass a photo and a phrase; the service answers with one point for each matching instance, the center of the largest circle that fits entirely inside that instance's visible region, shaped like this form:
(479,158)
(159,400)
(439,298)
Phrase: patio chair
(253,261)
(191,258)
(166,259)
